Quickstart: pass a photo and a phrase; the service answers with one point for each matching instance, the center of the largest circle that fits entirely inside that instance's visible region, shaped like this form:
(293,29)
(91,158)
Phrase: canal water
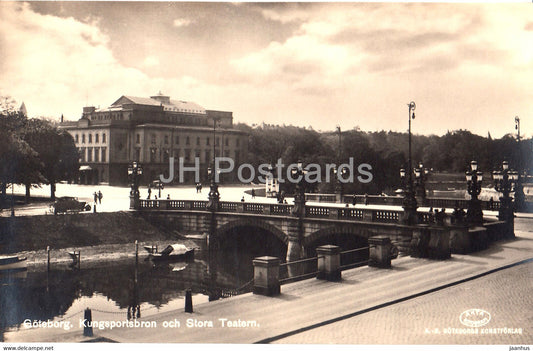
(117,290)
(132,288)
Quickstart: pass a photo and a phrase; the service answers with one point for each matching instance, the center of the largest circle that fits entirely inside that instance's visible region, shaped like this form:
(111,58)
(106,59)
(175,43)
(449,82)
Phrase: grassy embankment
(106,235)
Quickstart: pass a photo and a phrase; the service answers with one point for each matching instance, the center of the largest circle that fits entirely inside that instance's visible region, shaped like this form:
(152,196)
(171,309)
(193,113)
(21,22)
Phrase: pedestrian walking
(253,193)
(95,195)
(366,199)
(354,200)
(168,196)
(100,196)
(149,192)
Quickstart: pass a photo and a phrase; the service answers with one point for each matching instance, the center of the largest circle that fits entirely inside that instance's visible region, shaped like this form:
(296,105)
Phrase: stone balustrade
(319,212)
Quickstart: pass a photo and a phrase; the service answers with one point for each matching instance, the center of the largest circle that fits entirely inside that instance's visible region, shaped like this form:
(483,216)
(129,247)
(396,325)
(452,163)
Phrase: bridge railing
(398,201)
(359,214)
(298,270)
(318,212)
(161,204)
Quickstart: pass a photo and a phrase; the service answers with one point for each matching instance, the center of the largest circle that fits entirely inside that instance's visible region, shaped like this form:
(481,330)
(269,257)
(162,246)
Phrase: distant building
(150,131)
(22,109)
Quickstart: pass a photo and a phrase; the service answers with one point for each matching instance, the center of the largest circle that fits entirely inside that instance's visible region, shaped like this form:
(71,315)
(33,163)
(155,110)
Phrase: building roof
(168,105)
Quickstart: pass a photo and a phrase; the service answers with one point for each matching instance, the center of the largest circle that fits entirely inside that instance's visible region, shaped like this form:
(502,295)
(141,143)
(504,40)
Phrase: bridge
(299,233)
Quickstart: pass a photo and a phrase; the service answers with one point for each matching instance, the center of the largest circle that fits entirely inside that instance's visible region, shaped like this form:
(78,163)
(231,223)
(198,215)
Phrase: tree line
(33,151)
(386,152)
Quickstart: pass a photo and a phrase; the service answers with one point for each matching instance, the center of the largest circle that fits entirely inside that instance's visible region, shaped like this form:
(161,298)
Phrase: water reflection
(125,288)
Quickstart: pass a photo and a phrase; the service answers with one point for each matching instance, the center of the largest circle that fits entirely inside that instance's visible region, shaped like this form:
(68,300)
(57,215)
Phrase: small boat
(151,249)
(176,252)
(12,264)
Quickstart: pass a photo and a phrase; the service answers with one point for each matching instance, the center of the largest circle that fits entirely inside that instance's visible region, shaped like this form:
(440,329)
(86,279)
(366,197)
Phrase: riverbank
(99,235)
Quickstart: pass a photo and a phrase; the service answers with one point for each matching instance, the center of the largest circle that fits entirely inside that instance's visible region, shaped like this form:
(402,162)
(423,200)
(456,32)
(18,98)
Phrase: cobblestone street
(507,295)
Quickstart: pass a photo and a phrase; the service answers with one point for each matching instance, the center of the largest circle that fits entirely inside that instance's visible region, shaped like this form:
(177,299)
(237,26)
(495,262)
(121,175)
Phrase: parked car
(69,204)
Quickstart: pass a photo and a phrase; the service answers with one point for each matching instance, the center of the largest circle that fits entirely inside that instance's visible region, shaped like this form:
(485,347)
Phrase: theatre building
(150,131)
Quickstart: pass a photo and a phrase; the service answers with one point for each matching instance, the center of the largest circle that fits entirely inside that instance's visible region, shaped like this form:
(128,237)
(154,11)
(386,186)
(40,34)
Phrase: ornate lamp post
(519,197)
(339,187)
(505,183)
(421,175)
(409,200)
(214,195)
(294,246)
(474,178)
(134,172)
(299,196)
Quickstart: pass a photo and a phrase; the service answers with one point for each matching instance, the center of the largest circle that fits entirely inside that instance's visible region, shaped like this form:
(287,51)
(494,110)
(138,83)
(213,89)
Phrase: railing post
(329,262)
(334,213)
(380,251)
(87,328)
(266,276)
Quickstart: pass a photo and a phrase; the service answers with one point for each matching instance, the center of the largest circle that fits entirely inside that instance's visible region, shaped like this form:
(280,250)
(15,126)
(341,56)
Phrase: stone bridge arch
(358,231)
(252,222)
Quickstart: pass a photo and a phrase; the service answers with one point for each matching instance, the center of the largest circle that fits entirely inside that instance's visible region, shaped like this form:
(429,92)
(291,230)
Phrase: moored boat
(12,264)
(176,252)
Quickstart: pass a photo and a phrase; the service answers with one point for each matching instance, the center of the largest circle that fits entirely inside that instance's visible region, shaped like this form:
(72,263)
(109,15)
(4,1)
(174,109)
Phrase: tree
(56,150)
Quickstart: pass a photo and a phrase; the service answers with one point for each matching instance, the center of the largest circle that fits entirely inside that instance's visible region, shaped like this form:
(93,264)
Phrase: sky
(319,65)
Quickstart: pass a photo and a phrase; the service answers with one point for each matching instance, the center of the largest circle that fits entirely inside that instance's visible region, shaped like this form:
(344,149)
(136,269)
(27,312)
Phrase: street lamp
(421,175)
(339,186)
(299,196)
(519,197)
(409,202)
(474,178)
(214,195)
(134,172)
(505,183)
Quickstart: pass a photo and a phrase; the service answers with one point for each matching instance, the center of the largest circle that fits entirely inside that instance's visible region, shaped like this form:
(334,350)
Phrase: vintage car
(69,204)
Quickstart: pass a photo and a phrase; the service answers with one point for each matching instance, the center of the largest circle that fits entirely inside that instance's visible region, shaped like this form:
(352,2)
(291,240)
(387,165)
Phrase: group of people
(98,197)
(436,216)
(198,188)
(354,199)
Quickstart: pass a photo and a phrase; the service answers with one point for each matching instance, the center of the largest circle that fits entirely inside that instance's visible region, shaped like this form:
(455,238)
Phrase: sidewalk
(309,304)
(434,318)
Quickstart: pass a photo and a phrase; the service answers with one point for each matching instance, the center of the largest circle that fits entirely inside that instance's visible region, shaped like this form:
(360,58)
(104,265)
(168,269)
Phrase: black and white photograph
(296,174)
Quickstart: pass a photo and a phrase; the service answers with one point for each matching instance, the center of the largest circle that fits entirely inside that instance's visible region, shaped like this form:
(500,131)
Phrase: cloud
(340,63)
(182,22)
(56,65)
(151,61)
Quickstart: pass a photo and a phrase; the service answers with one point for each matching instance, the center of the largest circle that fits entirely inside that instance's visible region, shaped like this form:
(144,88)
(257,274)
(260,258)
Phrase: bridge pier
(295,250)
(294,253)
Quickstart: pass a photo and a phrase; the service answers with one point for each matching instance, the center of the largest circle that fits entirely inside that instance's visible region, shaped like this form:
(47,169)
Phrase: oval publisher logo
(474,317)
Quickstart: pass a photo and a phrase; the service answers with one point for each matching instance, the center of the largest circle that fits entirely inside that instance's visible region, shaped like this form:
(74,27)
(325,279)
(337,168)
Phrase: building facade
(151,131)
